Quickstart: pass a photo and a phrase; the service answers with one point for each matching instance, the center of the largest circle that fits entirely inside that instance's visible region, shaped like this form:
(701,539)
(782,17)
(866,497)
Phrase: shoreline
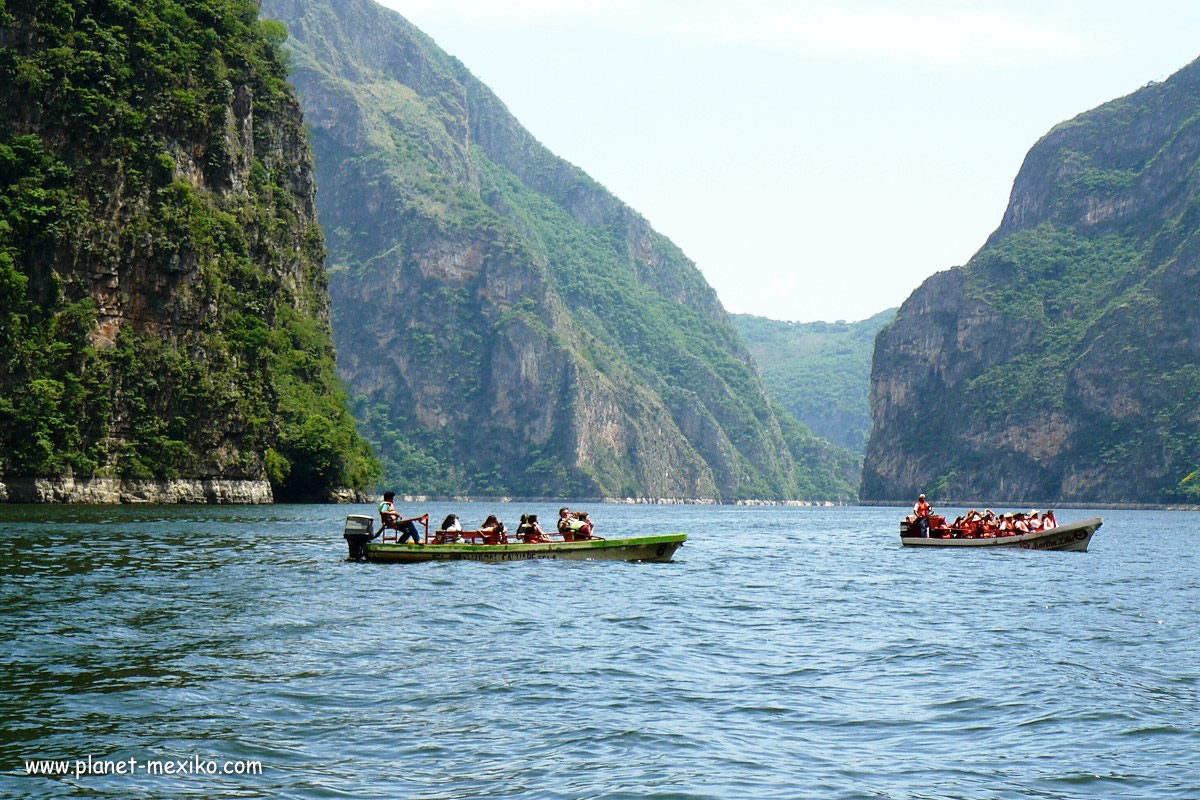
(223,491)
(121,491)
(1040,506)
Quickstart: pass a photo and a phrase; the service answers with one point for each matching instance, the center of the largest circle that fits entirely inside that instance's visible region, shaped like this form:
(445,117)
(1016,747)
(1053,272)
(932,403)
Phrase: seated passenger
(1020,525)
(568,524)
(523,527)
(451,531)
(1048,520)
(493,531)
(532,533)
(1035,522)
(587,527)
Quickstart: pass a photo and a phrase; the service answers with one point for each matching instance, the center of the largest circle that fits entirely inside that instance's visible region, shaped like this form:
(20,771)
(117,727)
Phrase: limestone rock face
(1062,363)
(507,326)
(112,491)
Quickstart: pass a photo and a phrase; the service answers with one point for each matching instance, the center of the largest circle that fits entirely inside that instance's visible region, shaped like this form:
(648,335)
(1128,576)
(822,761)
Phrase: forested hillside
(506,325)
(163,298)
(1062,363)
(819,371)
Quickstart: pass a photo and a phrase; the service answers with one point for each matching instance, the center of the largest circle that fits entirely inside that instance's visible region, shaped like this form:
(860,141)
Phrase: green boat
(360,531)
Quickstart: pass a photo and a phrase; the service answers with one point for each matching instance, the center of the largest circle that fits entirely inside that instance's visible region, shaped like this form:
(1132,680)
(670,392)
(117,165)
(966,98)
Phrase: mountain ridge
(1060,363)
(572,348)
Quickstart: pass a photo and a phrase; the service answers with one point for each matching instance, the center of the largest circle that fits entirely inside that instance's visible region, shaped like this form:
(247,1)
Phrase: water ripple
(786,653)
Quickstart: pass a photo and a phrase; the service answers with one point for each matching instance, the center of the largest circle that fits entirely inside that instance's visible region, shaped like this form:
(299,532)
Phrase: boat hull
(645,548)
(1072,536)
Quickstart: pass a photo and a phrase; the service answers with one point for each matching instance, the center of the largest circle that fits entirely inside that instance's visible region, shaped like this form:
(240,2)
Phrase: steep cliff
(163,297)
(505,324)
(819,371)
(1062,363)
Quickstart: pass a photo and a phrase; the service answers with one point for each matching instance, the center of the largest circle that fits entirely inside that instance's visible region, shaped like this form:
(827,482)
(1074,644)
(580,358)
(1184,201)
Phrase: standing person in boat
(390,517)
(923,512)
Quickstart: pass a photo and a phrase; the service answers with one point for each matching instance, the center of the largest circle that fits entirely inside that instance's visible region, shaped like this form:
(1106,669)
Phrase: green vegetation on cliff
(163,303)
(505,324)
(1061,363)
(819,371)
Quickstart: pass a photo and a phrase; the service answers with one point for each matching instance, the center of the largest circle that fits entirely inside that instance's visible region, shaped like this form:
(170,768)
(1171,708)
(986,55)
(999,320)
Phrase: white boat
(1069,536)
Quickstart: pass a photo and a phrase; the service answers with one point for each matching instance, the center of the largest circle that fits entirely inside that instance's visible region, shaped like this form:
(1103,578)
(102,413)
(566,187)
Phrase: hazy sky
(817,160)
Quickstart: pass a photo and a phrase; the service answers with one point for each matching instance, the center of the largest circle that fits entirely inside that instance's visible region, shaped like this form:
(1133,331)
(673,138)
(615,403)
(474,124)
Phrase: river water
(785,653)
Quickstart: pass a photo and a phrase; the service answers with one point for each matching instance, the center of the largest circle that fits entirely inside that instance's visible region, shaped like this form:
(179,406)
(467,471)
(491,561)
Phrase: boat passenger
(587,527)
(923,512)
(568,524)
(451,531)
(1005,528)
(532,533)
(1020,525)
(493,531)
(1048,520)
(390,518)
(1035,522)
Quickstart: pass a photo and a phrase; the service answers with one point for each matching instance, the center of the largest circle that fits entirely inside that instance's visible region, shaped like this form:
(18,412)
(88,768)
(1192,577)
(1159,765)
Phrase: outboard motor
(360,529)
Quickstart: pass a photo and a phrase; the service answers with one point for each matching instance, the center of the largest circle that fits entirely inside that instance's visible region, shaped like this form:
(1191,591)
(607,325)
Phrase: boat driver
(391,519)
(923,512)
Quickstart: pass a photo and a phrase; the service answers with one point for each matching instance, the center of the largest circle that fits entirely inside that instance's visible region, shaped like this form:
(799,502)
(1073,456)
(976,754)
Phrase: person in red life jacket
(1035,522)
(1020,525)
(1048,520)
(1005,528)
(492,531)
(923,511)
(530,530)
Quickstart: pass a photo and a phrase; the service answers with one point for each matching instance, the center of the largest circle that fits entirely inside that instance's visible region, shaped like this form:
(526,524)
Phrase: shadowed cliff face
(1062,363)
(505,324)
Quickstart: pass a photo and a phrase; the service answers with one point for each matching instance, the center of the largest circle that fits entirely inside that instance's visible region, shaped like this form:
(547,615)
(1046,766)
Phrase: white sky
(817,159)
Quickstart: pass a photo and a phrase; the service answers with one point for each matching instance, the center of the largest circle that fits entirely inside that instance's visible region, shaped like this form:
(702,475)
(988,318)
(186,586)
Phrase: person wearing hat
(923,512)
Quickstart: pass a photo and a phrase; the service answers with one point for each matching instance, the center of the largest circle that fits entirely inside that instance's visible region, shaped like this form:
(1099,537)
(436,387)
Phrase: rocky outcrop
(507,326)
(1061,363)
(112,491)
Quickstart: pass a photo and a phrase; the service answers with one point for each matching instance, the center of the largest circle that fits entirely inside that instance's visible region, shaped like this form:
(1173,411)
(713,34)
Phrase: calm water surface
(786,653)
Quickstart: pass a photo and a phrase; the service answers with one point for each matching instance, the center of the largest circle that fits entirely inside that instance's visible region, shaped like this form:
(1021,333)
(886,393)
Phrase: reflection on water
(787,652)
